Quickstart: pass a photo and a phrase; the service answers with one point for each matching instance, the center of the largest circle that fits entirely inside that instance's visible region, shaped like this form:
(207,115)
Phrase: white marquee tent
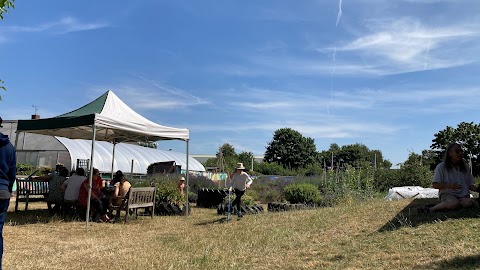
(107,118)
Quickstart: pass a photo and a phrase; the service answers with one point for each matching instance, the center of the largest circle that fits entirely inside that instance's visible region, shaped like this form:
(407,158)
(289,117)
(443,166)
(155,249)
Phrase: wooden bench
(31,190)
(136,198)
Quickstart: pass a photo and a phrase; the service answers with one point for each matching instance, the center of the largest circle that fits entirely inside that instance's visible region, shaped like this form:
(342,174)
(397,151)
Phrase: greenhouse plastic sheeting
(124,154)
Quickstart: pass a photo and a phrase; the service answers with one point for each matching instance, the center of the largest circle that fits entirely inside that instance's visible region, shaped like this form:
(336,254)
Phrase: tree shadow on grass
(37,216)
(459,262)
(27,217)
(409,216)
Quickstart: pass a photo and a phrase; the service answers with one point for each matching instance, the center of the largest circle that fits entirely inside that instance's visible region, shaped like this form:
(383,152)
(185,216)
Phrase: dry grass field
(372,234)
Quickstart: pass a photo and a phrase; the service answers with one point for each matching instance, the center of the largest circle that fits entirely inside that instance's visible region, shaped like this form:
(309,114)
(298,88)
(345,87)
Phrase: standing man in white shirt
(240,182)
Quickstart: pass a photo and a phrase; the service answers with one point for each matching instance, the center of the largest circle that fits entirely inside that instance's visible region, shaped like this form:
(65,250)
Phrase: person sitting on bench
(121,189)
(99,204)
(71,186)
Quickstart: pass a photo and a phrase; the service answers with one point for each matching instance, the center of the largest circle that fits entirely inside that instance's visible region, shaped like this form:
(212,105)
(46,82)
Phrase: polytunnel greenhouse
(47,151)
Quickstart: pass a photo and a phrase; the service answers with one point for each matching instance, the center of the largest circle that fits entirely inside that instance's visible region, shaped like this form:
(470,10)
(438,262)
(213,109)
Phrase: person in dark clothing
(8,173)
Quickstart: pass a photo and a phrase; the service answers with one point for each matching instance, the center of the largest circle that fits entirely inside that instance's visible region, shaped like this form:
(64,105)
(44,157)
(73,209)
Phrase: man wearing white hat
(240,182)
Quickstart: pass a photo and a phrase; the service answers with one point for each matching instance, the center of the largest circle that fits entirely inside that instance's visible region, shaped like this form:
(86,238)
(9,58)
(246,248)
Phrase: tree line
(291,153)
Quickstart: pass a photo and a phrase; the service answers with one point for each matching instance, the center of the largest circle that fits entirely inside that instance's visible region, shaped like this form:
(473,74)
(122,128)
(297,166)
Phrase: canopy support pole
(131,169)
(90,165)
(113,157)
(187,205)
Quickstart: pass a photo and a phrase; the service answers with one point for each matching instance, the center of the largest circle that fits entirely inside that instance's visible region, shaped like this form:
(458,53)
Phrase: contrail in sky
(339,12)
(339,15)
(334,55)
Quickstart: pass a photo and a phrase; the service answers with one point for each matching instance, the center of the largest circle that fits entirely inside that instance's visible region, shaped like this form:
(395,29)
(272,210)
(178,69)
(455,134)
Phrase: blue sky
(388,74)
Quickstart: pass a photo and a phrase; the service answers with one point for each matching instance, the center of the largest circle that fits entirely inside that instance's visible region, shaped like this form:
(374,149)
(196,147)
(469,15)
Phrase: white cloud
(380,47)
(342,113)
(143,93)
(315,128)
(295,101)
(401,45)
(62,26)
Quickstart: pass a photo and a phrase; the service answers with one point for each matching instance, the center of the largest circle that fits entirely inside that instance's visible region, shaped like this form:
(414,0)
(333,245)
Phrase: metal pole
(16,152)
(252,164)
(131,170)
(113,157)
(187,206)
(90,166)
(229,207)
(331,164)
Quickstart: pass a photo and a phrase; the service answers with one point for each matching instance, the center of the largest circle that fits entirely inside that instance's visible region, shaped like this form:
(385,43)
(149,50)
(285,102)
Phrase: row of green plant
(312,184)
(327,188)
(323,187)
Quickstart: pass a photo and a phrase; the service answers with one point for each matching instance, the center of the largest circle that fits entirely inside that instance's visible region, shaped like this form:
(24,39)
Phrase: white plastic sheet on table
(411,192)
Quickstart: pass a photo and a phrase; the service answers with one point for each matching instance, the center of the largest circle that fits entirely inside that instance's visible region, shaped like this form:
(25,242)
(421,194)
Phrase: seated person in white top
(71,186)
(454,180)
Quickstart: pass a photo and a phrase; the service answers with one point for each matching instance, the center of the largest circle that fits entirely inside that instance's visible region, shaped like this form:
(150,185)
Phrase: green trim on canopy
(56,122)
(80,117)
(113,121)
(93,107)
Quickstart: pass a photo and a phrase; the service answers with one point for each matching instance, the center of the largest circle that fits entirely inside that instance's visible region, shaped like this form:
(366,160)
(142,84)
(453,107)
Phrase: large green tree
(290,149)
(226,158)
(355,155)
(466,134)
(227,150)
(4,6)
(246,158)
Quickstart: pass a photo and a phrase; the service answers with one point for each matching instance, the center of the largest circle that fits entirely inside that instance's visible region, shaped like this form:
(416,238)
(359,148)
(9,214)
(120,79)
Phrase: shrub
(167,190)
(248,200)
(265,189)
(273,196)
(45,170)
(386,179)
(197,182)
(416,175)
(25,169)
(302,193)
(310,170)
(407,175)
(272,169)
